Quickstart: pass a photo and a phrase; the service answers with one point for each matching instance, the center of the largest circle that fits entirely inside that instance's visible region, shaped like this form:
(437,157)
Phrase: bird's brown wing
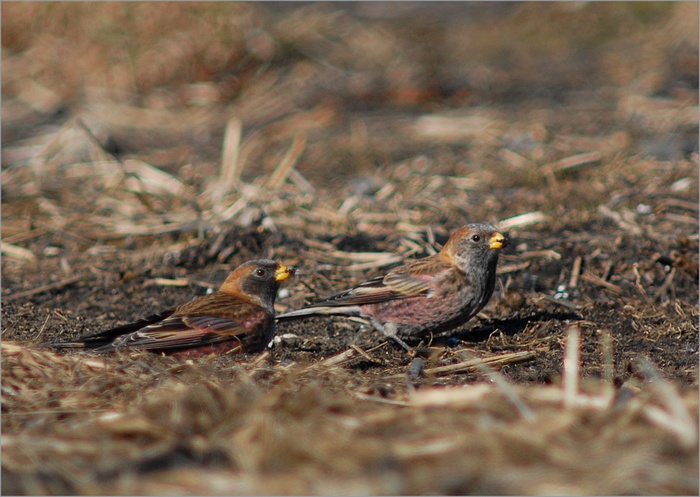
(178,332)
(210,319)
(380,289)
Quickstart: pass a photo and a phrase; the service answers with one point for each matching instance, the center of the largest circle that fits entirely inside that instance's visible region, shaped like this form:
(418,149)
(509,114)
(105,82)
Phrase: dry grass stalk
(681,204)
(679,218)
(144,178)
(301,182)
(381,400)
(336,360)
(515,159)
(461,396)
(231,167)
(549,255)
(571,375)
(475,363)
(286,165)
(181,282)
(478,126)
(668,281)
(592,278)
(673,415)
(606,144)
(466,183)
(572,396)
(522,220)
(236,207)
(17,252)
(575,272)
(608,367)
(341,256)
(627,223)
(571,163)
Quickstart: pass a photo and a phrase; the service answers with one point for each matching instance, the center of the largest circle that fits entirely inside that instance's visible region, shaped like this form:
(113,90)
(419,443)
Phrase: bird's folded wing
(381,289)
(408,285)
(181,332)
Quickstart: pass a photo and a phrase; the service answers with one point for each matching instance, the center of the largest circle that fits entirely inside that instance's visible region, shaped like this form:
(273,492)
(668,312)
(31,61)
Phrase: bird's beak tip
(284,272)
(498,241)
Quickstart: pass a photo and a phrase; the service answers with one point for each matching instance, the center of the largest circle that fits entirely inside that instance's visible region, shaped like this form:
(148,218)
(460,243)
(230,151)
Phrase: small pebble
(415,369)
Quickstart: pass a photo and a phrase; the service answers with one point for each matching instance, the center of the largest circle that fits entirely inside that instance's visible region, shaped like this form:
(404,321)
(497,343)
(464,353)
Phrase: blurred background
(365,84)
(149,147)
(136,124)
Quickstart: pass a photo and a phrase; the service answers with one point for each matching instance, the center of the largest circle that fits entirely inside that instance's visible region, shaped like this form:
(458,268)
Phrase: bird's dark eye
(476,238)
(260,272)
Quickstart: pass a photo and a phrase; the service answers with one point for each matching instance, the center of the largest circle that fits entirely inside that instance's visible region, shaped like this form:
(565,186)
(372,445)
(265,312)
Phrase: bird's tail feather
(319,311)
(93,345)
(68,345)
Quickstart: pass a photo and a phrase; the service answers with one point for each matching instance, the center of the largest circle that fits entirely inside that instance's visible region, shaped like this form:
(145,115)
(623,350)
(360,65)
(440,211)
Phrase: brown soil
(367,132)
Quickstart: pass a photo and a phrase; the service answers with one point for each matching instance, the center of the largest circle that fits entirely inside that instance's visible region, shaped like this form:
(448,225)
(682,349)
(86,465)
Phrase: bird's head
(258,279)
(474,244)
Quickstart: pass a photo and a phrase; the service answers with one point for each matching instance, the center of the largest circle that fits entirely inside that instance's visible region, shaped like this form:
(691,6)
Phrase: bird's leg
(390,330)
(403,344)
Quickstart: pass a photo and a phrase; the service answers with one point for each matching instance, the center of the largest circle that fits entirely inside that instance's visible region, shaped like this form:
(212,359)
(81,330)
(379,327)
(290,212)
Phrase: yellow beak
(497,241)
(283,272)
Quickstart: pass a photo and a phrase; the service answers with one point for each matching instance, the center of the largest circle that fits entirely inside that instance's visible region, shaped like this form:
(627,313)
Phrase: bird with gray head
(429,295)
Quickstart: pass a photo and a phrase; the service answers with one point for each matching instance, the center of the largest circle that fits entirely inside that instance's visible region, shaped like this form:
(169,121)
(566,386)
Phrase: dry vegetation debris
(251,427)
(149,148)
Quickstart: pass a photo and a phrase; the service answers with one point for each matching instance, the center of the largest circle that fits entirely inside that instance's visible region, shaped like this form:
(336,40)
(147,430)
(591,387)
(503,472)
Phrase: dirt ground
(148,149)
